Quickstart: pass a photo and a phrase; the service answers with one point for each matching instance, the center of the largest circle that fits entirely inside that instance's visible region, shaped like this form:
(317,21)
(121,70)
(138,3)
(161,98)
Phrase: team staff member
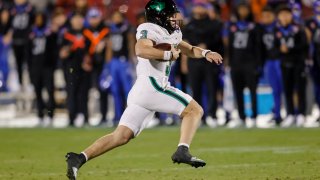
(99,50)
(22,20)
(271,60)
(152,90)
(205,33)
(120,66)
(5,45)
(77,69)
(244,57)
(313,26)
(292,43)
(42,69)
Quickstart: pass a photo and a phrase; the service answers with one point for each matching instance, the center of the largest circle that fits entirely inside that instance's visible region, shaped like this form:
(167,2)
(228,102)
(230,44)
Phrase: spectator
(42,68)
(5,41)
(296,13)
(205,33)
(292,44)
(99,50)
(313,26)
(22,20)
(122,36)
(81,6)
(77,70)
(244,57)
(270,55)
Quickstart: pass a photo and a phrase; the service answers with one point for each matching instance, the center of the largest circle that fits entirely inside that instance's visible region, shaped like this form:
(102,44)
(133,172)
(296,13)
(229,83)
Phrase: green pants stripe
(168,92)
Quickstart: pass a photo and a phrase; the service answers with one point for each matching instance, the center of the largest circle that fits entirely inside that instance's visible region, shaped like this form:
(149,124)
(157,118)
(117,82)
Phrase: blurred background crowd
(74,61)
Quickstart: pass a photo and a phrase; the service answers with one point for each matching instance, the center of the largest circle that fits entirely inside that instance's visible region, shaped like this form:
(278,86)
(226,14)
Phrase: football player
(291,41)
(151,91)
(270,54)
(313,26)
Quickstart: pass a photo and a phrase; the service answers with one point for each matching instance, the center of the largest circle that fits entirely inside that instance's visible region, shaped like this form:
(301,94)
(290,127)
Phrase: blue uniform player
(270,54)
(122,38)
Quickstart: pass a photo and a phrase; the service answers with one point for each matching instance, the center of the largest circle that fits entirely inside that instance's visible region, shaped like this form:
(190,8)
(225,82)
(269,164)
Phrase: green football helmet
(159,11)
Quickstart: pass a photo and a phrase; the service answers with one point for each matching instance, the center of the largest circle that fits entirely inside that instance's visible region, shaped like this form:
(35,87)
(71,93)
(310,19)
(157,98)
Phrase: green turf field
(230,154)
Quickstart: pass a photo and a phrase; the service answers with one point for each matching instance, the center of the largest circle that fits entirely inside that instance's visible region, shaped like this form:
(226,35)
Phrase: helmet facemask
(173,22)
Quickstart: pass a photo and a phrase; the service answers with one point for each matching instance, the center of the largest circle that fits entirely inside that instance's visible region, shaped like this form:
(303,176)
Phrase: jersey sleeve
(146,31)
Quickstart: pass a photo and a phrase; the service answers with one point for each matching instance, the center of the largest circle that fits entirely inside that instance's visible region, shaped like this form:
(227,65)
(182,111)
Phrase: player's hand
(64,52)
(284,48)
(86,65)
(214,57)
(6,39)
(100,47)
(175,53)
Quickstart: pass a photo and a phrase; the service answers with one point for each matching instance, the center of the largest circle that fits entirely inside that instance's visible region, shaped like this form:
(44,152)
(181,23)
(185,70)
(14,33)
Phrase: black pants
(242,78)
(178,74)
(43,78)
(202,73)
(20,53)
(77,86)
(294,78)
(103,93)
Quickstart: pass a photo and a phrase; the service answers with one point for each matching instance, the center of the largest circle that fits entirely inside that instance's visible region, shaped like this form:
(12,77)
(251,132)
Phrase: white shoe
(169,121)
(46,122)
(235,123)
(251,123)
(211,122)
(288,121)
(79,121)
(153,123)
(300,120)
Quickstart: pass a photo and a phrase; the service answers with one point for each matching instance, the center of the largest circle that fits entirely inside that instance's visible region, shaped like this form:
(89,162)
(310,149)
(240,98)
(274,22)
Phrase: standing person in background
(81,6)
(205,33)
(313,26)
(270,55)
(292,43)
(296,13)
(22,20)
(122,36)
(42,69)
(54,39)
(244,57)
(77,70)
(100,52)
(5,41)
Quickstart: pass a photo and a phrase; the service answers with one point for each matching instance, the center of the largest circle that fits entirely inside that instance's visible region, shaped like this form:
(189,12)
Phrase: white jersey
(152,92)
(159,35)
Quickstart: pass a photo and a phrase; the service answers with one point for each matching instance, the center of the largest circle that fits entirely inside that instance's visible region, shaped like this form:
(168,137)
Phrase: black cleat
(74,162)
(182,155)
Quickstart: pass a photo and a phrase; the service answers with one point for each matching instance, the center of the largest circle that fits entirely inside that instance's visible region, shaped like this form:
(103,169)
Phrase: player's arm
(197,52)
(144,49)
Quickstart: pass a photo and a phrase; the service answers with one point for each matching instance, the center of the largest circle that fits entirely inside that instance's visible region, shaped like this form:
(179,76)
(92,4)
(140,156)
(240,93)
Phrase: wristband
(205,52)
(167,55)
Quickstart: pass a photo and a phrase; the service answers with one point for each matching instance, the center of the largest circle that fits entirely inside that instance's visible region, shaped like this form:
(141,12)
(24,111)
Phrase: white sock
(85,155)
(184,144)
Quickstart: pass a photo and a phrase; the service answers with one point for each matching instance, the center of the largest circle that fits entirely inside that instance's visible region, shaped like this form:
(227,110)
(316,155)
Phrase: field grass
(230,154)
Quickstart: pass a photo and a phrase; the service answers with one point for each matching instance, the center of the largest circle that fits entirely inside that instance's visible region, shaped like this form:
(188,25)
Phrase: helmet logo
(158,6)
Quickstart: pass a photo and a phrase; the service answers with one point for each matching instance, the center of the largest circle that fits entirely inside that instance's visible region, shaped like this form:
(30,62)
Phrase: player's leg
(288,85)
(172,100)
(301,83)
(191,117)
(130,125)
(238,85)
(116,89)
